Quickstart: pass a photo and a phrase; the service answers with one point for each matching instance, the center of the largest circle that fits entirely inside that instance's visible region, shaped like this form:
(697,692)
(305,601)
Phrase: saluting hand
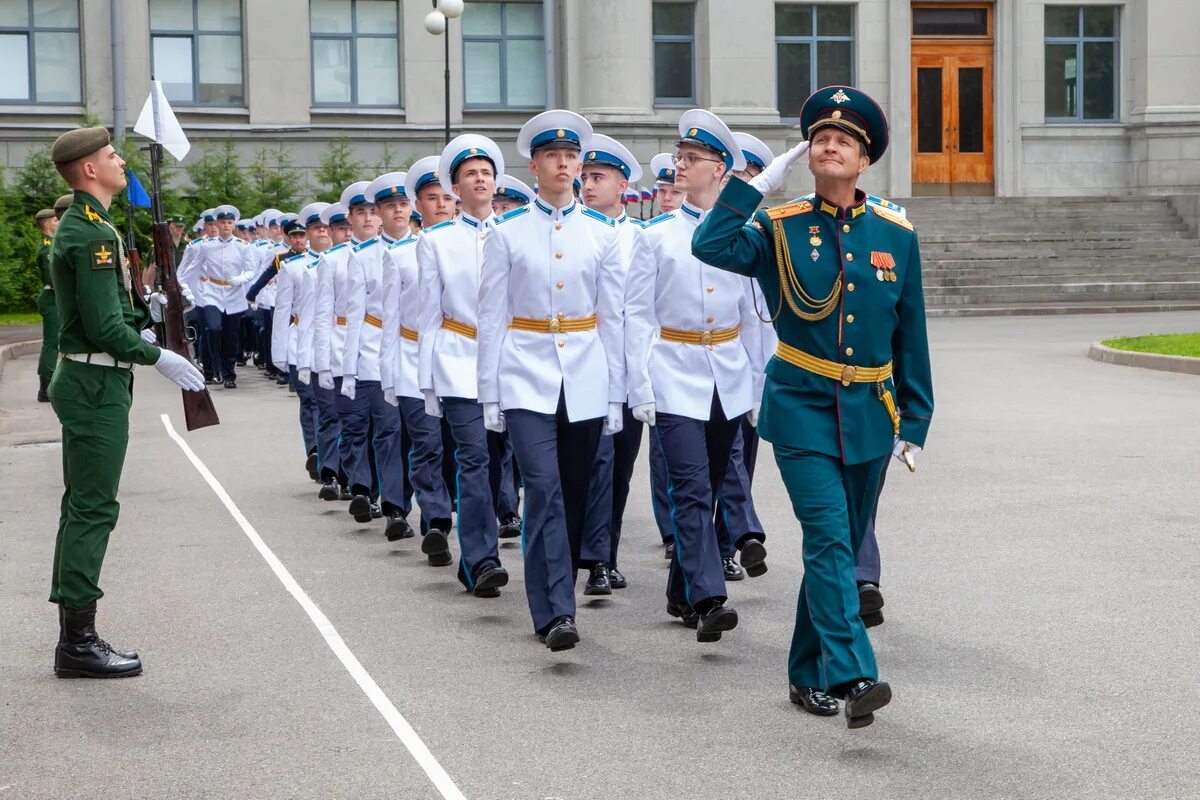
(771,179)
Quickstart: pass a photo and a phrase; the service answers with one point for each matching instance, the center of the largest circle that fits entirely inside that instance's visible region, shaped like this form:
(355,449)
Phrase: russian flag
(647,194)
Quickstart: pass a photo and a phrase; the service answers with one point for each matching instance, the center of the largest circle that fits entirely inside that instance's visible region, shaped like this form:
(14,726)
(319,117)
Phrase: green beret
(45,213)
(63,203)
(78,143)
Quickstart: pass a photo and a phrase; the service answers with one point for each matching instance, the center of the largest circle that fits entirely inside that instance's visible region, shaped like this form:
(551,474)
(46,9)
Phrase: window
(355,52)
(674,28)
(1082,50)
(814,47)
(928,21)
(196,50)
(39,51)
(504,59)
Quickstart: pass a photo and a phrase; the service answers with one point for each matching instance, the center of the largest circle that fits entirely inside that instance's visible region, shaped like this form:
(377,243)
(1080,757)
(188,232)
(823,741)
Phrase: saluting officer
(850,381)
(47,221)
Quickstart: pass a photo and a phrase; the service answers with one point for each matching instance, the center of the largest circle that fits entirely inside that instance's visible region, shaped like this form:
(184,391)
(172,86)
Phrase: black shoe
(669,552)
(714,622)
(863,699)
(732,571)
(241,362)
(814,701)
(344,493)
(510,527)
(870,601)
(210,381)
(754,558)
(598,582)
(398,528)
(281,381)
(230,383)
(42,395)
(616,579)
(684,612)
(562,635)
(436,545)
(329,490)
(310,464)
(361,508)
(490,580)
(872,620)
(83,654)
(376,511)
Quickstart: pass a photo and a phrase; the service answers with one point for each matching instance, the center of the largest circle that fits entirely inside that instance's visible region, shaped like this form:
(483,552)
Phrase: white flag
(157,121)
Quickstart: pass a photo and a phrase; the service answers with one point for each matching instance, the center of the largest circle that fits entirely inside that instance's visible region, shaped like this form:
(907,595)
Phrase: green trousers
(92,403)
(49,311)
(834,503)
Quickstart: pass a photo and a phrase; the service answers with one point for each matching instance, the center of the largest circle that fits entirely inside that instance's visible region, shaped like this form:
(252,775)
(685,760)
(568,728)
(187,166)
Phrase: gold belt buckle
(555,326)
(706,337)
(848,373)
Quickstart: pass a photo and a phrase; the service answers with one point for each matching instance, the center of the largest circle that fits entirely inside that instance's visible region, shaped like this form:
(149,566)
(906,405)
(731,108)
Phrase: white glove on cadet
(389,396)
(149,336)
(241,280)
(304,375)
(752,414)
(325,381)
(644,413)
(433,406)
(900,448)
(771,179)
(615,421)
(493,417)
(180,370)
(348,384)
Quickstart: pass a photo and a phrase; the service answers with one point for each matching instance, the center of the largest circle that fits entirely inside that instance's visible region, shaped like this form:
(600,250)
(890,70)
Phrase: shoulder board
(639,223)
(891,216)
(596,215)
(335,248)
(293,257)
(439,226)
(660,218)
(516,212)
(879,201)
(789,210)
(364,245)
(401,242)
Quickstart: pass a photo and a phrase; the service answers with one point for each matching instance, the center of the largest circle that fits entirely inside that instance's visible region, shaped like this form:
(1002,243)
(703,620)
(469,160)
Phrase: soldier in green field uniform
(102,336)
(850,382)
(46,221)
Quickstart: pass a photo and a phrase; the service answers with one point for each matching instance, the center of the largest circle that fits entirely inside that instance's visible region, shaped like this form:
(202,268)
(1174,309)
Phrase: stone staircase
(1038,255)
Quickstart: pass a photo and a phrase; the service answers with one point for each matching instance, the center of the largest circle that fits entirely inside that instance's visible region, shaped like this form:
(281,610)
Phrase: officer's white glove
(254,306)
(281,366)
(348,384)
(644,413)
(433,406)
(325,380)
(752,414)
(771,179)
(389,395)
(180,370)
(149,336)
(493,417)
(158,301)
(304,375)
(901,449)
(188,297)
(615,421)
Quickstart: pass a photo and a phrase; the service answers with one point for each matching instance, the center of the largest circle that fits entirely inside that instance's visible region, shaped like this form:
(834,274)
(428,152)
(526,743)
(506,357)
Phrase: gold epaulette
(891,216)
(790,210)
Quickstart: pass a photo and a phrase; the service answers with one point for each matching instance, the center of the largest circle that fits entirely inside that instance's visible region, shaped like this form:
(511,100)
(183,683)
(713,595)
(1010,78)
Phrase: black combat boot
(62,637)
(83,654)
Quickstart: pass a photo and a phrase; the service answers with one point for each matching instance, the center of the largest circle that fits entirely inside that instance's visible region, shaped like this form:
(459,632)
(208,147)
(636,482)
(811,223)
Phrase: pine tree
(274,182)
(217,178)
(338,169)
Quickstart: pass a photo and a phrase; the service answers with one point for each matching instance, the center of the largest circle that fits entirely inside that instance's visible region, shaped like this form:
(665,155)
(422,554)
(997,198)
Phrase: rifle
(198,408)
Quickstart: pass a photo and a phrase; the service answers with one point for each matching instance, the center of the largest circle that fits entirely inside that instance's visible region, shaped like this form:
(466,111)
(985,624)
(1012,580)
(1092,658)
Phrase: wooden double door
(952,105)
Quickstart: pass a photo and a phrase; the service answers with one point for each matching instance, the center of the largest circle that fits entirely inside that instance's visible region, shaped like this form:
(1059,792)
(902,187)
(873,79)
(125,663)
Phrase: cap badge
(592,156)
(561,133)
(474,151)
(693,132)
(837,113)
(840,97)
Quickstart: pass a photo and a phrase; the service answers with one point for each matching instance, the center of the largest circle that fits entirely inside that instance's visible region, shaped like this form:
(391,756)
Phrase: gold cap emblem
(693,132)
(592,155)
(837,113)
(561,133)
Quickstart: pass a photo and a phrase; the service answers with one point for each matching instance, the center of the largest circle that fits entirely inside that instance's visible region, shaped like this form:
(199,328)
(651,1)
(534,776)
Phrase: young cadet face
(339,232)
(318,237)
(210,228)
(105,166)
(697,168)
(836,154)
(503,205)
(225,228)
(241,234)
(364,221)
(555,168)
(669,198)
(275,232)
(475,181)
(603,186)
(434,205)
(394,214)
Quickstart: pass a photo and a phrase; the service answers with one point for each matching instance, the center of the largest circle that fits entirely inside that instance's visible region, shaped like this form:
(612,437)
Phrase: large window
(674,27)
(355,52)
(196,50)
(39,51)
(504,59)
(814,47)
(1082,57)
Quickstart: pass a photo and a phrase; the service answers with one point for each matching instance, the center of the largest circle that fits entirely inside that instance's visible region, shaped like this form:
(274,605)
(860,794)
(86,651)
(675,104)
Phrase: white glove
(644,413)
(149,336)
(898,450)
(771,179)
(752,414)
(348,384)
(493,417)
(240,280)
(188,297)
(615,421)
(325,380)
(180,370)
(304,375)
(433,406)
(281,366)
(254,306)
(158,301)
(389,395)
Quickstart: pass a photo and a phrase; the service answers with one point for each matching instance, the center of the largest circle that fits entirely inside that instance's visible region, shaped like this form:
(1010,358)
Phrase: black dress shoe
(281,380)
(598,582)
(669,551)
(754,558)
(732,571)
(436,545)
(310,464)
(684,612)
(398,528)
(230,383)
(360,508)
(870,604)
(615,579)
(329,490)
(872,620)
(376,511)
(490,580)
(562,634)
(714,622)
(344,493)
(83,654)
(863,699)
(510,527)
(814,701)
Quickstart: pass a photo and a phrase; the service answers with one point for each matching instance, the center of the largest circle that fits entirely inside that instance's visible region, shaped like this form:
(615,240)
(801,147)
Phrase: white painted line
(441,780)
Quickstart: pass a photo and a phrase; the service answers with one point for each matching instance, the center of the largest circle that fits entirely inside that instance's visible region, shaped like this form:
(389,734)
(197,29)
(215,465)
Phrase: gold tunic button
(559,284)
(849,256)
(710,320)
(845,229)
(562,344)
(558,255)
(849,351)
(849,287)
(561,315)
(850,318)
(709,290)
(558,226)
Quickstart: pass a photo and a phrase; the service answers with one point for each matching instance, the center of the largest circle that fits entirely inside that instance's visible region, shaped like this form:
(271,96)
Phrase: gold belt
(217,281)
(408,333)
(847,374)
(699,337)
(373,321)
(340,320)
(461,328)
(557,324)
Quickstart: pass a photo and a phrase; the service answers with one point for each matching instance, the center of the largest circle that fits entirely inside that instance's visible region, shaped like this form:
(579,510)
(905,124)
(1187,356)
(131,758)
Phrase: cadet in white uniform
(511,193)
(206,230)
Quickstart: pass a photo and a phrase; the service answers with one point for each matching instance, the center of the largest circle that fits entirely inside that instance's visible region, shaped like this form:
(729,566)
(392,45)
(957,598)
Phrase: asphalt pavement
(1039,572)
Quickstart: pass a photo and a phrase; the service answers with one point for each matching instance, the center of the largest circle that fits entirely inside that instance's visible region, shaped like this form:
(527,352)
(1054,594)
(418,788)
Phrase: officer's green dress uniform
(851,374)
(49,311)
(102,311)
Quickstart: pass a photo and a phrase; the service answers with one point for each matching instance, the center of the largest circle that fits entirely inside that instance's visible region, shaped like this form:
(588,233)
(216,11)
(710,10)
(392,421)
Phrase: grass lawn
(32,318)
(1175,344)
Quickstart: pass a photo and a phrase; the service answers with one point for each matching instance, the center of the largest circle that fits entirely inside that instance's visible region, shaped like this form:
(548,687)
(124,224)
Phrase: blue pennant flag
(138,197)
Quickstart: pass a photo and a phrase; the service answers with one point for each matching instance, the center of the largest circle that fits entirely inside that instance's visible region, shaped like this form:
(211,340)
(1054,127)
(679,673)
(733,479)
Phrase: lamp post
(437,22)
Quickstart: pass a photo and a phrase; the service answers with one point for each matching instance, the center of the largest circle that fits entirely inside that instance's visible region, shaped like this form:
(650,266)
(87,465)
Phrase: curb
(17,349)
(1128,358)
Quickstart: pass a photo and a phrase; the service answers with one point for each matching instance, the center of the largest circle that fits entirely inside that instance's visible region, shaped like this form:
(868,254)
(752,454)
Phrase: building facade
(1009,97)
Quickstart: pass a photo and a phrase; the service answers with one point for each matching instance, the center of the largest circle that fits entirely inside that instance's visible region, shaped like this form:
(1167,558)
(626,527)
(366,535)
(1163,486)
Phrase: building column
(610,75)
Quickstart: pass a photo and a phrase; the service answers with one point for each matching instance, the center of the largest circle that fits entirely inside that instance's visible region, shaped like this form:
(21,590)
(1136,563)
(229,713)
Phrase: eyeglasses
(688,159)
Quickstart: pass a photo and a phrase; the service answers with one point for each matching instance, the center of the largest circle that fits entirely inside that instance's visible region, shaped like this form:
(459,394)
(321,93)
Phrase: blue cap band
(314,219)
(339,217)
(225,216)
(472,152)
(703,137)
(390,192)
(753,159)
(358,200)
(511,194)
(555,136)
(666,175)
(608,160)
(210,217)
(425,180)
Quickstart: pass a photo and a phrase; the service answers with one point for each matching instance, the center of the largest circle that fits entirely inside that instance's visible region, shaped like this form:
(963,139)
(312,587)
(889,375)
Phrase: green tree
(338,169)
(217,178)
(274,182)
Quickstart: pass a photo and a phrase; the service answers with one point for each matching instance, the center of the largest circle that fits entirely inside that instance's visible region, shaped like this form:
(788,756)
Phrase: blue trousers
(370,423)
(660,491)
(477,529)
(867,567)
(736,520)
(834,503)
(309,416)
(555,457)
(329,432)
(425,461)
(608,492)
(223,335)
(500,474)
